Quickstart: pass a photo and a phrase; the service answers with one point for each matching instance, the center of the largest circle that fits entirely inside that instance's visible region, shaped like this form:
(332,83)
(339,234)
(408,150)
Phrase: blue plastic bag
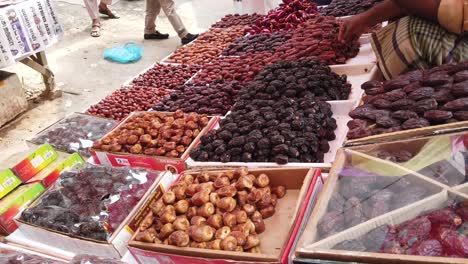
(130,52)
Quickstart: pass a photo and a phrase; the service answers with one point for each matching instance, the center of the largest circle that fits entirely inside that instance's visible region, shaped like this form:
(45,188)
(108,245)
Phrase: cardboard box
(157,163)
(8,182)
(14,203)
(35,162)
(321,250)
(116,245)
(48,176)
(301,184)
(311,246)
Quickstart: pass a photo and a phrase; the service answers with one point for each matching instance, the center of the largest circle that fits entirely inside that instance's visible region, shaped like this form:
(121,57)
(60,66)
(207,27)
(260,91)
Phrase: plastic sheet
(90,202)
(75,133)
(88,259)
(13,257)
(130,52)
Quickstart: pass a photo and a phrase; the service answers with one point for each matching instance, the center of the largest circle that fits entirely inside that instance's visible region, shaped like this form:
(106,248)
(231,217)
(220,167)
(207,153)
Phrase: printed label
(37,161)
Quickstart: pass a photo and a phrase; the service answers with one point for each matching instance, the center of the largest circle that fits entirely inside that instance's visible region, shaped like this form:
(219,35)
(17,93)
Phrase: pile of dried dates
(341,8)
(415,100)
(90,202)
(221,211)
(166,76)
(214,99)
(280,117)
(154,134)
(361,196)
(440,233)
(13,257)
(207,46)
(242,69)
(237,20)
(122,102)
(318,37)
(257,43)
(75,133)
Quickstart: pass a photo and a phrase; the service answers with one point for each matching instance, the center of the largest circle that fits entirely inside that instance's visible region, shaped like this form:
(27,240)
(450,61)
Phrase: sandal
(95,31)
(108,13)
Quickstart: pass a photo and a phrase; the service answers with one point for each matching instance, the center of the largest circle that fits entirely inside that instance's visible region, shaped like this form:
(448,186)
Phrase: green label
(8,182)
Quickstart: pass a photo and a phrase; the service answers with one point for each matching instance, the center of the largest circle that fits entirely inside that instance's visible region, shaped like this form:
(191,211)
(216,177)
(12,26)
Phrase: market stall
(265,140)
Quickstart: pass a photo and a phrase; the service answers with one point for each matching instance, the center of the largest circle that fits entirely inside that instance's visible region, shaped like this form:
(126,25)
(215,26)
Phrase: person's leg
(168,7)
(104,9)
(153,7)
(93,11)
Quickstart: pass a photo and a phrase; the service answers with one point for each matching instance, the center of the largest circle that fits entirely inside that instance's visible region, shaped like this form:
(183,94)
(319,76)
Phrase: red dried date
(387,121)
(382,104)
(359,132)
(436,79)
(355,123)
(443,96)
(395,84)
(411,87)
(166,76)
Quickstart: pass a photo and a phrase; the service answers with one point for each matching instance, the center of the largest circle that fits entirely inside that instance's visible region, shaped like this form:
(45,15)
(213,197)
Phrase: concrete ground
(82,73)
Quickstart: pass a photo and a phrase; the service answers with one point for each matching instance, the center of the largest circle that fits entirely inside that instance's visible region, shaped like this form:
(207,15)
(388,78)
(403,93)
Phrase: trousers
(92,6)
(153,8)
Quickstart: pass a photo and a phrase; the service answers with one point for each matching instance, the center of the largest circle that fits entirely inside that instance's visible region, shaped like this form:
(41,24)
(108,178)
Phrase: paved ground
(82,73)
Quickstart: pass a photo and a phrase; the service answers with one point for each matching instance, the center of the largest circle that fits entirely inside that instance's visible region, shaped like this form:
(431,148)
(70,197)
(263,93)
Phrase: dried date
(425,105)
(382,104)
(439,78)
(395,84)
(460,89)
(387,121)
(404,115)
(359,132)
(395,95)
(461,115)
(460,76)
(415,123)
(438,115)
(357,123)
(457,105)
(402,104)
(443,96)
(411,87)
(421,93)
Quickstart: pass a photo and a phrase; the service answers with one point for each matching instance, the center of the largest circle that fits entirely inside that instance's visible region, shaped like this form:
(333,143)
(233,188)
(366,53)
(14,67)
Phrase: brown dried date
(439,78)
(460,76)
(404,115)
(359,132)
(421,93)
(165,76)
(387,121)
(395,84)
(402,104)
(411,87)
(382,103)
(438,115)
(457,105)
(341,8)
(424,105)
(237,20)
(460,89)
(356,123)
(461,115)
(443,96)
(395,95)
(415,123)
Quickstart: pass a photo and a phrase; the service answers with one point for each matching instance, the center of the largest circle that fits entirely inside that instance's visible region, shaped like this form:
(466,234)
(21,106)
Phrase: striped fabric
(413,43)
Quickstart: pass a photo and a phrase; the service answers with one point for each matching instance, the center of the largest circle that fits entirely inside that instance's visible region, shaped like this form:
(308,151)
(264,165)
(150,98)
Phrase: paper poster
(35,39)
(7,58)
(57,28)
(19,32)
(12,39)
(46,20)
(38,22)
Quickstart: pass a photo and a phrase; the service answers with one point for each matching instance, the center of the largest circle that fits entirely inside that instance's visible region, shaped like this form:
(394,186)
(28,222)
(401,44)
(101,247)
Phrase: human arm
(354,26)
(421,8)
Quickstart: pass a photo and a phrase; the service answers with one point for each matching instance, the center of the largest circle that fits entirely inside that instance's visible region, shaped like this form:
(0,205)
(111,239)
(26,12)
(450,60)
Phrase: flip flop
(95,31)
(108,13)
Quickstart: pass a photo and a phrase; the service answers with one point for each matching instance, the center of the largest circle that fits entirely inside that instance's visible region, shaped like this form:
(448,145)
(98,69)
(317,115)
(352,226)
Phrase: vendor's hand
(352,28)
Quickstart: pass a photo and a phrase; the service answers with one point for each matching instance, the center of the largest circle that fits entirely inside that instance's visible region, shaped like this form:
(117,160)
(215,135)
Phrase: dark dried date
(424,105)
(404,115)
(438,115)
(421,93)
(415,123)
(460,89)
(461,115)
(457,105)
